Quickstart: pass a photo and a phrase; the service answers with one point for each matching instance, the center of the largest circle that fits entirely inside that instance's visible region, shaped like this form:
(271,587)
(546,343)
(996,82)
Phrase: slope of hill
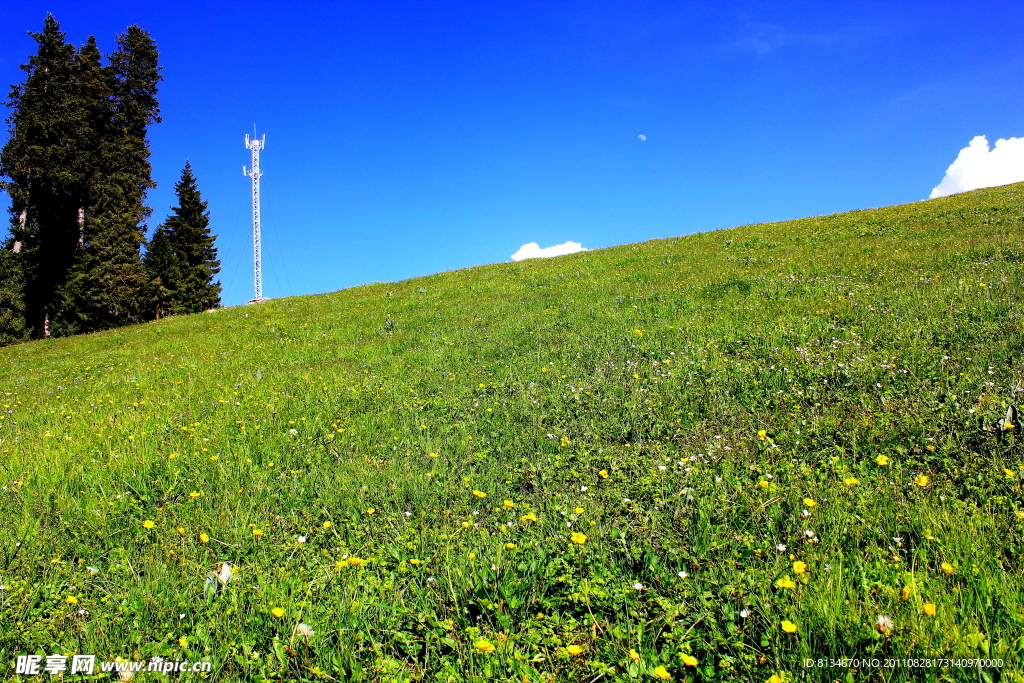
(712,457)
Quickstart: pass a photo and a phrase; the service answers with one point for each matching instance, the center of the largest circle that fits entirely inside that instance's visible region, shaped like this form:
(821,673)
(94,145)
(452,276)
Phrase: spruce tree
(164,272)
(110,286)
(188,228)
(41,160)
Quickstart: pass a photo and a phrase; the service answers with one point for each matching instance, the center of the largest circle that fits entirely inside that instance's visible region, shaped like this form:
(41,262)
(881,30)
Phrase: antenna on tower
(256,145)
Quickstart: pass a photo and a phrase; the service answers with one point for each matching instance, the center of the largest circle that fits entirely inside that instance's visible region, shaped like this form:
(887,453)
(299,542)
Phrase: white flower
(293,432)
(805,513)
(682,574)
(639,586)
(304,631)
(92,570)
(661,467)
(884,624)
(781,547)
(744,613)
(302,539)
(808,533)
(583,488)
(225,573)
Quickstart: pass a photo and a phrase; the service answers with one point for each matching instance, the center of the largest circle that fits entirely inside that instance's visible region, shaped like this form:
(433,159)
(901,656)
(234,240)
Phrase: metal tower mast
(256,145)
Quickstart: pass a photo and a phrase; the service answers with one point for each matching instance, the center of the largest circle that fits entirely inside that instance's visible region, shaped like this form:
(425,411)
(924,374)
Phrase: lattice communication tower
(255,173)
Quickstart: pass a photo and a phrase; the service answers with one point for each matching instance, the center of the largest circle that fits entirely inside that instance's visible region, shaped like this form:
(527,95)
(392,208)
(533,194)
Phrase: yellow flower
(776,678)
(1020,515)
(578,511)
(785,582)
(529,517)
(1010,474)
(327,525)
(277,612)
(662,673)
(634,655)
(510,546)
(479,494)
(356,562)
(257,532)
(72,600)
(689,660)
(929,609)
(465,525)
(604,474)
(947,568)
(472,556)
(194,494)
(183,641)
(851,481)
(578,537)
(763,484)
(484,645)
(809,502)
(434,455)
(149,524)
(930,447)
(508,504)
(370,511)
(181,530)
(415,562)
(799,567)
(574,649)
(203,538)
(340,564)
(921,480)
(761,434)
(788,626)
(882,460)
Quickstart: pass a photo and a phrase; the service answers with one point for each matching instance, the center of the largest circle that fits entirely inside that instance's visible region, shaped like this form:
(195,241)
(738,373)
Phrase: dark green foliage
(78,167)
(182,259)
(12,298)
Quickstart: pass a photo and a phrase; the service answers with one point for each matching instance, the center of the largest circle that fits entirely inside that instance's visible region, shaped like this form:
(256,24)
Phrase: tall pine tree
(41,159)
(110,287)
(182,259)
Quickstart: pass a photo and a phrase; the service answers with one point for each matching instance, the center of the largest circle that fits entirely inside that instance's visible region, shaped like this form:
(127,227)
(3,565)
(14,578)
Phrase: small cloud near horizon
(533,250)
(976,166)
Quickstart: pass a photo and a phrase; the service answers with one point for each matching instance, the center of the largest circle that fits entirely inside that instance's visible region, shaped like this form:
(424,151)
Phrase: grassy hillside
(703,458)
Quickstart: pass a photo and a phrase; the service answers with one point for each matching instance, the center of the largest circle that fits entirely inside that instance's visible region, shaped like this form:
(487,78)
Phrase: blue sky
(407,138)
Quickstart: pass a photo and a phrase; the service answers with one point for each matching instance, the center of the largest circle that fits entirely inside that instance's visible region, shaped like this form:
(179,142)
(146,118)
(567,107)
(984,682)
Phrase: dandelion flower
(929,609)
(574,649)
(851,481)
(662,673)
(882,460)
(809,502)
(799,567)
(579,511)
(479,494)
(529,517)
(484,645)
(327,525)
(763,484)
(578,537)
(1010,474)
(689,660)
(508,504)
(947,568)
(72,600)
(194,494)
(1020,515)
(356,562)
(204,538)
(340,564)
(370,511)
(786,582)
(149,524)
(472,556)
(921,480)
(277,612)
(634,655)
(510,546)
(775,679)
(761,434)
(788,626)
(183,641)
(257,532)
(415,562)
(603,474)
(304,631)
(884,624)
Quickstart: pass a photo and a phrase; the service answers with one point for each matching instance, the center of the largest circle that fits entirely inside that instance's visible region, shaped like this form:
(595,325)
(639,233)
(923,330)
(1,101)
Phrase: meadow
(707,458)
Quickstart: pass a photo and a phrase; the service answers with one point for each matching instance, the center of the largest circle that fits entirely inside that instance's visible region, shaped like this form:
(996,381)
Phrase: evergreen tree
(110,285)
(164,273)
(188,228)
(12,297)
(41,160)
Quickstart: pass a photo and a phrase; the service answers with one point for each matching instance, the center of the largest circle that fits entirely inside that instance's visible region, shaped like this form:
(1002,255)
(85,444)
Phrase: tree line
(76,168)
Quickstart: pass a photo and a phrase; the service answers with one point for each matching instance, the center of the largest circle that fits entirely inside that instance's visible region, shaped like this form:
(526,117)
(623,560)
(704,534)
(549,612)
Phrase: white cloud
(976,166)
(533,250)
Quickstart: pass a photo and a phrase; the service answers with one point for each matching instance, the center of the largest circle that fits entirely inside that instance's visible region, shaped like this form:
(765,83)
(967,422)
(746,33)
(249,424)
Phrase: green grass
(673,401)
